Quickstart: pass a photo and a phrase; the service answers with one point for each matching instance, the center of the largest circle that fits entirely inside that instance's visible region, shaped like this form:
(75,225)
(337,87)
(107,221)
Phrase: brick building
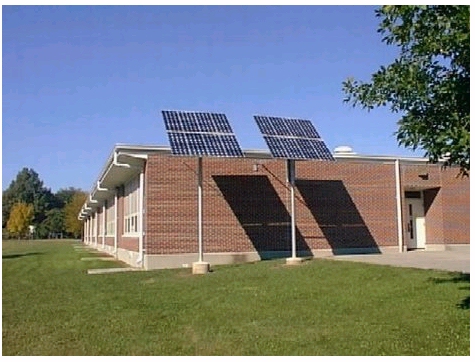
(143,207)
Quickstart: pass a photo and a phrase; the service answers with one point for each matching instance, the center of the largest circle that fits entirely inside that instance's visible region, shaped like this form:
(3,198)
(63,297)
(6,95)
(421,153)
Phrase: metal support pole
(291,180)
(200,209)
(292,221)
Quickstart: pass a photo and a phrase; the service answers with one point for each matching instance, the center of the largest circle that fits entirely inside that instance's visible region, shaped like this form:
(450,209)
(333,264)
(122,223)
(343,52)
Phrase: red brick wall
(420,176)
(338,205)
(446,202)
(348,205)
(434,209)
(109,241)
(456,203)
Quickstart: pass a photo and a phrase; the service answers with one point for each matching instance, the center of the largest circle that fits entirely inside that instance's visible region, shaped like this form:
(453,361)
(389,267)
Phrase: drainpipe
(116,224)
(141,223)
(397,172)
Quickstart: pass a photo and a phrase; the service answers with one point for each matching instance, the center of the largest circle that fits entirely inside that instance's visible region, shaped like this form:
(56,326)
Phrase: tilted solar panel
(196,122)
(204,144)
(292,127)
(292,138)
(200,134)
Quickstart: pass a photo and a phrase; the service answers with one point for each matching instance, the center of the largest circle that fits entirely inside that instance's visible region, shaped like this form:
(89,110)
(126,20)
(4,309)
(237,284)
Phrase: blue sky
(77,80)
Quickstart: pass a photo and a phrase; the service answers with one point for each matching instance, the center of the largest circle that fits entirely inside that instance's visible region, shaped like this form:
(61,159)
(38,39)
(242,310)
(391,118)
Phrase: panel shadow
(337,216)
(262,215)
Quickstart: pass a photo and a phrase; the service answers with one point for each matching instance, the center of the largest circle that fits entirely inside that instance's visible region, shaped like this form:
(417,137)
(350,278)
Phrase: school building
(143,207)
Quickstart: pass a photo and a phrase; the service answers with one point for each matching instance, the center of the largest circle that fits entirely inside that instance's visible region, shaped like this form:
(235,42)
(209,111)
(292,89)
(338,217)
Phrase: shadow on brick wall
(337,216)
(261,214)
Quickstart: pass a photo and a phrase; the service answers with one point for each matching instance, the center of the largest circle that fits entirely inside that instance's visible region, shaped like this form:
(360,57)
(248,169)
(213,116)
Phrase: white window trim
(110,219)
(131,192)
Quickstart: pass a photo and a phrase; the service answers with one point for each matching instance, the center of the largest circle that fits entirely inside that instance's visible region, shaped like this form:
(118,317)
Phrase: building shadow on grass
(464,279)
(15,256)
(261,213)
(337,216)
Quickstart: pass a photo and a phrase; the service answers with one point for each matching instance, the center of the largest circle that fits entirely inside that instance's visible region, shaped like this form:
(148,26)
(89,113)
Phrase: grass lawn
(323,307)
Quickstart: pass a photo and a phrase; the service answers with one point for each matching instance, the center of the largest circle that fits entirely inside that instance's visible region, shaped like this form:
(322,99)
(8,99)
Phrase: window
(110,216)
(100,217)
(94,224)
(131,206)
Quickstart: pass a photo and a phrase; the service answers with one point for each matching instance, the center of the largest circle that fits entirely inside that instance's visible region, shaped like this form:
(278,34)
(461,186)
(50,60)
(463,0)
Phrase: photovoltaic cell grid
(196,122)
(292,138)
(200,134)
(278,126)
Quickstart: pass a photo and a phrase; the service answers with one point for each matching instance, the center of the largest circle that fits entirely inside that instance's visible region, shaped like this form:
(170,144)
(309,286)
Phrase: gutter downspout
(116,224)
(126,165)
(400,235)
(141,223)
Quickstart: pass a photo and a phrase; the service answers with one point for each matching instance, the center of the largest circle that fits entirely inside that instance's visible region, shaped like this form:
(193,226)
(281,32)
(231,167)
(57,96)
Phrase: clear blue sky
(77,80)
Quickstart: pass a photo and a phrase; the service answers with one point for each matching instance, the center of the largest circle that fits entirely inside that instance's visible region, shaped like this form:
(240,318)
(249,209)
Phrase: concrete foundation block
(200,267)
(293,261)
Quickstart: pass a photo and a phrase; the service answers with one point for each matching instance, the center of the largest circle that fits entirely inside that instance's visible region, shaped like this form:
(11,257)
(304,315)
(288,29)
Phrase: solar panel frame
(200,134)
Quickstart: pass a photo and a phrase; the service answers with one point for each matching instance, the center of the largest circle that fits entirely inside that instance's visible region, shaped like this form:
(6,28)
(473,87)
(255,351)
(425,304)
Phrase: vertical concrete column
(96,216)
(86,231)
(104,225)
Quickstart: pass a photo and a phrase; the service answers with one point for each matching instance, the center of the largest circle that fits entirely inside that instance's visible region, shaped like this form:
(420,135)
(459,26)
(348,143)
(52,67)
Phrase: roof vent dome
(343,150)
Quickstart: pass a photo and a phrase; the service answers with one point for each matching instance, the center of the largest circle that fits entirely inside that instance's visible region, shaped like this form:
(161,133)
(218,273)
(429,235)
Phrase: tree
(429,83)
(20,219)
(28,188)
(54,222)
(65,195)
(71,211)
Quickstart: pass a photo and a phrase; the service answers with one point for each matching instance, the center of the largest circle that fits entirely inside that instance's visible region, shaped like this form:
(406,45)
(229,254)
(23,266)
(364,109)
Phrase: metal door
(415,224)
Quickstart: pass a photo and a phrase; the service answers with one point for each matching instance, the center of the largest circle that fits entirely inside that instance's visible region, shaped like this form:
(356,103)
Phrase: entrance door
(415,223)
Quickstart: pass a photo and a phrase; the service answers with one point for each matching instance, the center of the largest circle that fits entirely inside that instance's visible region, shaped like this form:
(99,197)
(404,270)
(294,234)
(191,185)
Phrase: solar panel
(200,134)
(292,127)
(292,138)
(196,122)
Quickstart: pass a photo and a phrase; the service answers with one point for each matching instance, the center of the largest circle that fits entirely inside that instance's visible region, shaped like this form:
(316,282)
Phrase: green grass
(323,307)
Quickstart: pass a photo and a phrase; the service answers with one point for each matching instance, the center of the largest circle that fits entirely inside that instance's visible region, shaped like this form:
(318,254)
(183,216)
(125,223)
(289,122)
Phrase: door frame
(414,214)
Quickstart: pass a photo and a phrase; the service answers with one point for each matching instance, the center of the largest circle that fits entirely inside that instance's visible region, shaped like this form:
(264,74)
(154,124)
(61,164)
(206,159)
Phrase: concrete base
(200,267)
(111,270)
(293,261)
